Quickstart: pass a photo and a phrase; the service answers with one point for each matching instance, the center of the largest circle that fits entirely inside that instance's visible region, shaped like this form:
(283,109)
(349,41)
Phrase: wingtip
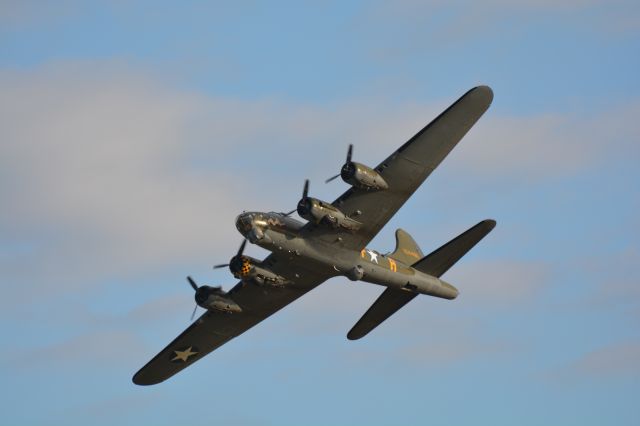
(484,87)
(486,225)
(357,332)
(353,336)
(490,223)
(136,381)
(139,379)
(485,91)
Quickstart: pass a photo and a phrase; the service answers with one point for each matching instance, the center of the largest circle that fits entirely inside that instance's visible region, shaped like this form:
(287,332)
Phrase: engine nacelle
(318,211)
(247,268)
(361,176)
(356,273)
(225,305)
(215,298)
(262,276)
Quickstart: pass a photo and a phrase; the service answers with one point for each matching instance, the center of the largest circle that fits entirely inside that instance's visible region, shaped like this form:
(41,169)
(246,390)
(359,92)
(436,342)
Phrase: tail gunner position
(331,243)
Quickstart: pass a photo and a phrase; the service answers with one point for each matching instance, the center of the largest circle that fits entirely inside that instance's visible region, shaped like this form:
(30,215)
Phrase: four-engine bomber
(334,243)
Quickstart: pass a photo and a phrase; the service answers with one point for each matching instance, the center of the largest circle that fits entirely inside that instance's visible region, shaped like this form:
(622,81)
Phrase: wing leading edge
(405,170)
(215,328)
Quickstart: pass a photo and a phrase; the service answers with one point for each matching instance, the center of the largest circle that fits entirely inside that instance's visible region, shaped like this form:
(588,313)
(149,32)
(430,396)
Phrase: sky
(133,133)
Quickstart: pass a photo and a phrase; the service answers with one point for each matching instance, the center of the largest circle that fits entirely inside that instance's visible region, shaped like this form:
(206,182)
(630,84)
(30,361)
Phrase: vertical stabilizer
(407,250)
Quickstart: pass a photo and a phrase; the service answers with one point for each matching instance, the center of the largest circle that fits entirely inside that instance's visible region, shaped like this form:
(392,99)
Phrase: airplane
(333,243)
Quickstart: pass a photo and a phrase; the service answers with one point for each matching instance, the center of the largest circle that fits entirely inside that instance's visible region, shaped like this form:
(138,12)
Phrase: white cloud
(18,14)
(446,23)
(620,361)
(616,360)
(506,283)
(614,288)
(97,177)
(95,349)
(549,147)
(106,173)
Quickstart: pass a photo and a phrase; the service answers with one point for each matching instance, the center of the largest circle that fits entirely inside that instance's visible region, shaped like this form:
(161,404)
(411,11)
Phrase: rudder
(407,250)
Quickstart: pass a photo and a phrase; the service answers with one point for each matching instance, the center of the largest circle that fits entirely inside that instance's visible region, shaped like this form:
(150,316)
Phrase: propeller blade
(193,283)
(241,249)
(224,265)
(349,152)
(193,314)
(305,191)
(289,214)
(332,178)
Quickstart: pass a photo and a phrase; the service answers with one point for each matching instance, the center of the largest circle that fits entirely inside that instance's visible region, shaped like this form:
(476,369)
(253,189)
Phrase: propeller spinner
(347,168)
(209,298)
(239,265)
(359,175)
(202,294)
(304,205)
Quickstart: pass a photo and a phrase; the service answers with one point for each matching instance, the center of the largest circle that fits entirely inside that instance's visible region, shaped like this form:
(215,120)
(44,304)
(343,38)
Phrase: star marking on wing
(374,255)
(184,355)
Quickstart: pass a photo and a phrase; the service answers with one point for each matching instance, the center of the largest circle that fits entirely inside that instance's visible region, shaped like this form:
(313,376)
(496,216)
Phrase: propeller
(193,283)
(303,206)
(305,193)
(193,314)
(195,287)
(240,251)
(349,153)
(202,293)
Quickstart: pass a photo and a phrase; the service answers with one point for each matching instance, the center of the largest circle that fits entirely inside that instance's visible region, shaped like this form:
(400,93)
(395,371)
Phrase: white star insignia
(374,255)
(183,355)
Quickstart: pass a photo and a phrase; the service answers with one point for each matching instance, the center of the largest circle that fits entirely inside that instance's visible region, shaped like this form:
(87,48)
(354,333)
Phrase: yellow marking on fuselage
(411,253)
(392,265)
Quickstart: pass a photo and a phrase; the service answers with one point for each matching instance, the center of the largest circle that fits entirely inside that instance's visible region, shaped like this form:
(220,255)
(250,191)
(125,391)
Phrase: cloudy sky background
(131,135)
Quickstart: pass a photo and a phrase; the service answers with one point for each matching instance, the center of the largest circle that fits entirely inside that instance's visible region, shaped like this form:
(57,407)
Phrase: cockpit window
(244,222)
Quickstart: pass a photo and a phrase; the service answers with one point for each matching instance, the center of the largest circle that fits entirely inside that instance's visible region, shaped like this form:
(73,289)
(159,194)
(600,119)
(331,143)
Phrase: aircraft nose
(244,222)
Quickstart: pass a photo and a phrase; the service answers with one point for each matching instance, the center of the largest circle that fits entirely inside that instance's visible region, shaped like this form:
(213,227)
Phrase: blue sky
(133,133)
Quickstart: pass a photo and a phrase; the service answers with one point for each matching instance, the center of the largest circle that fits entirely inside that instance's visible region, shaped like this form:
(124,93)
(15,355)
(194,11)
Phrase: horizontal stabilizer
(434,264)
(386,305)
(439,261)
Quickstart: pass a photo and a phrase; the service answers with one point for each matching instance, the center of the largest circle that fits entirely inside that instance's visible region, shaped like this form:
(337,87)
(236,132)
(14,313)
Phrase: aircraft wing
(405,170)
(215,328)
(387,304)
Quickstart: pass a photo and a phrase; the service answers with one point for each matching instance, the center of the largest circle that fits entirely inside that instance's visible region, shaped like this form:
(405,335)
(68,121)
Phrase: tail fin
(407,251)
(435,264)
(439,261)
